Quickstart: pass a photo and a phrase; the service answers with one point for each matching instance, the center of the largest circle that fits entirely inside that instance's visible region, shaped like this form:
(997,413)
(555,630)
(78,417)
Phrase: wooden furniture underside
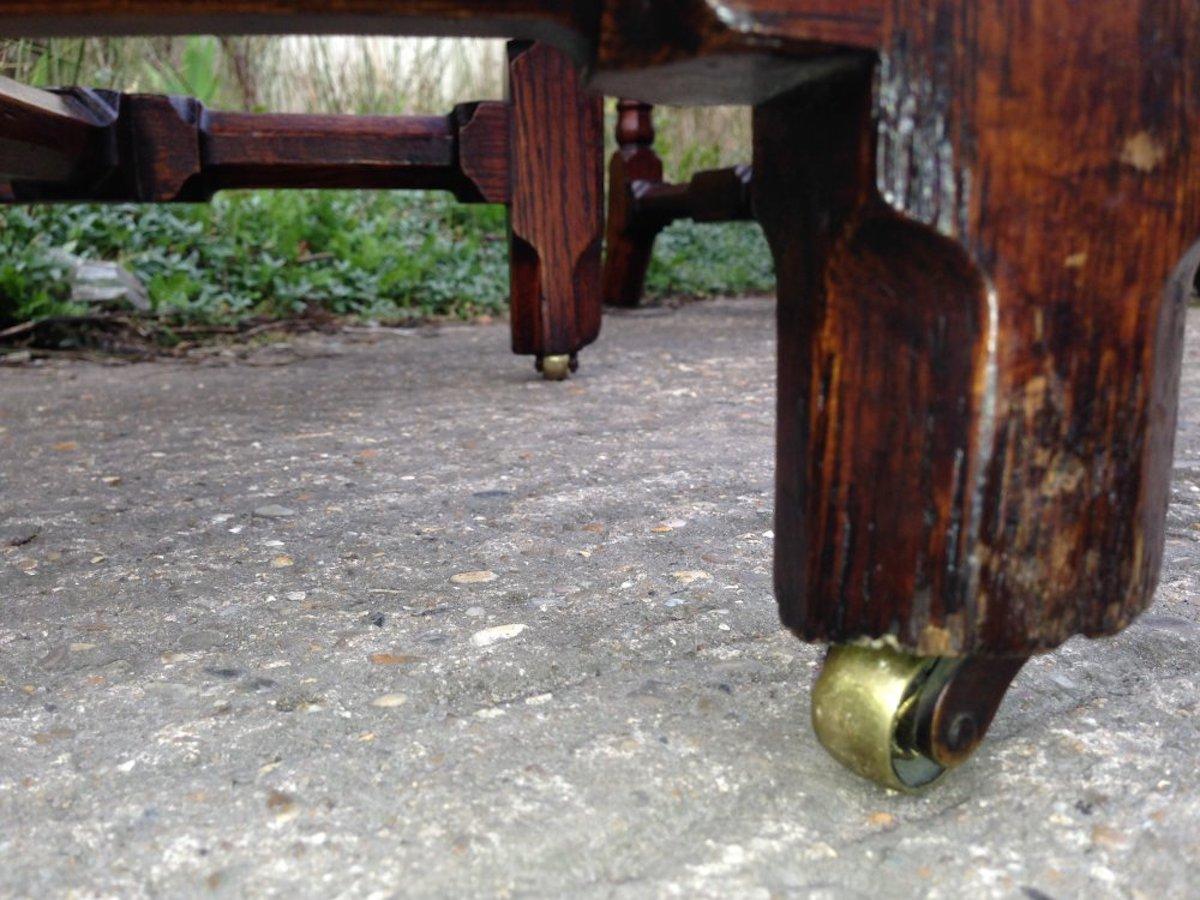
(641,204)
(539,153)
(980,215)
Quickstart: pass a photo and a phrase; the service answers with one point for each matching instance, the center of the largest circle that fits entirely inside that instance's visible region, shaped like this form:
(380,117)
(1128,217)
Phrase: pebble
(490,636)
(481,577)
(274,511)
(389,701)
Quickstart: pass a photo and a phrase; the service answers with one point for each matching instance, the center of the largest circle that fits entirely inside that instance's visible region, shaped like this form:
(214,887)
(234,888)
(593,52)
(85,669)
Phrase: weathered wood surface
(978,359)
(974,208)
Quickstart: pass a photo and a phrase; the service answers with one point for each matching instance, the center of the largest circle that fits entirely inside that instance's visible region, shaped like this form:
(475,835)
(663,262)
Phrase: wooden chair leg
(556,212)
(978,364)
(630,238)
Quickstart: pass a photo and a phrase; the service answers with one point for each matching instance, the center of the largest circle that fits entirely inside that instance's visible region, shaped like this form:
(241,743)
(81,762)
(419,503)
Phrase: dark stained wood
(170,149)
(641,204)
(483,149)
(50,136)
(629,240)
(686,51)
(978,360)
(567,23)
(973,209)
(716,195)
(556,211)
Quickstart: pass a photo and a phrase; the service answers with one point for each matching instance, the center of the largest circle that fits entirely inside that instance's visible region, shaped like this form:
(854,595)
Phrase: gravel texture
(383,615)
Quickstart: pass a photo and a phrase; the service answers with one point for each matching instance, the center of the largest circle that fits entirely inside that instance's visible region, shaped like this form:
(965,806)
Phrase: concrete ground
(388,616)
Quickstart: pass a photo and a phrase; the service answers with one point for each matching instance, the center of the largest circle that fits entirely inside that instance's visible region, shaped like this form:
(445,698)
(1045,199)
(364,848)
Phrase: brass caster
(558,367)
(903,721)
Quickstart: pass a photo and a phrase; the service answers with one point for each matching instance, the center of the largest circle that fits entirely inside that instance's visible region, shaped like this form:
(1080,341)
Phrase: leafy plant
(390,256)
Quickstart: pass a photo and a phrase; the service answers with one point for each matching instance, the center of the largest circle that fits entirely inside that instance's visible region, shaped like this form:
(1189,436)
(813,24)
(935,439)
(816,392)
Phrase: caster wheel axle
(558,367)
(902,720)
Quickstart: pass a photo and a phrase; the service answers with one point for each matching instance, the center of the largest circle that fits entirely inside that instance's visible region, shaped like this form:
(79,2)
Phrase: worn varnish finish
(978,368)
(556,213)
(973,209)
(641,204)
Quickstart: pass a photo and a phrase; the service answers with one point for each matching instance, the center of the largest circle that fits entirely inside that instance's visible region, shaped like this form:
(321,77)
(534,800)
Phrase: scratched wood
(978,358)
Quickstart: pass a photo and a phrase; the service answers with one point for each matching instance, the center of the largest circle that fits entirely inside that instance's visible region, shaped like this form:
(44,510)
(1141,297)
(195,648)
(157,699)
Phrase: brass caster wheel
(903,721)
(558,367)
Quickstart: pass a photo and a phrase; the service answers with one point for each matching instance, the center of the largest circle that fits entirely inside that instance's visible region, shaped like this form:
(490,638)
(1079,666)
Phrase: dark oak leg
(630,238)
(978,363)
(556,212)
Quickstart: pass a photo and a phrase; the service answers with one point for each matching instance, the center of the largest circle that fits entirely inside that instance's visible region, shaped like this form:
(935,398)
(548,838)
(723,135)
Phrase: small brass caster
(903,721)
(558,367)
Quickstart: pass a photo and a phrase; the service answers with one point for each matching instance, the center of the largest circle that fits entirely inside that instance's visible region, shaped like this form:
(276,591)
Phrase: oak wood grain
(978,358)
(556,211)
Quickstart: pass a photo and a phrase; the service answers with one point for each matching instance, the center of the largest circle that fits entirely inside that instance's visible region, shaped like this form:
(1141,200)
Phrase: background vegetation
(386,256)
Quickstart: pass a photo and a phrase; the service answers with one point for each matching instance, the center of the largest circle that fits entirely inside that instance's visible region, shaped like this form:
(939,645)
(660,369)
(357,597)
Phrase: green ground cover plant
(386,256)
(391,257)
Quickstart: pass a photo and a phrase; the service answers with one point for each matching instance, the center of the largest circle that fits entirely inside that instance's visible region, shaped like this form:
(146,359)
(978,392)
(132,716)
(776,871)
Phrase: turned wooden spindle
(630,241)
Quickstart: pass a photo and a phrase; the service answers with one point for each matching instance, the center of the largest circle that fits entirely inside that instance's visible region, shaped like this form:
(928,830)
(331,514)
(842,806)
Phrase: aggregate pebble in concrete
(195,699)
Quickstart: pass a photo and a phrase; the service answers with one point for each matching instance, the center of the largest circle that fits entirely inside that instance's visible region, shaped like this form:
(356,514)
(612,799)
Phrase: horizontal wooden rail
(52,137)
(720,195)
(78,144)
